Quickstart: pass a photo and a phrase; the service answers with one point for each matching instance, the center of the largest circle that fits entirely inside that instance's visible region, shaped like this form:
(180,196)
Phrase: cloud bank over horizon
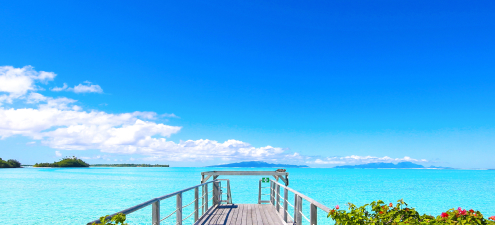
(61,124)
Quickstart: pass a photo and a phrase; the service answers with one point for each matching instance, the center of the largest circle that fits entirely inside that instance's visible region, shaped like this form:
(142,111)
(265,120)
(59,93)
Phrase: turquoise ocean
(80,195)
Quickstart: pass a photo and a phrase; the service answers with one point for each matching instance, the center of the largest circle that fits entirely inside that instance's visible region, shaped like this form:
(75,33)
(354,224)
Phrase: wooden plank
(204,219)
(244,214)
(258,214)
(232,216)
(263,216)
(216,215)
(272,215)
(266,209)
(226,212)
(249,214)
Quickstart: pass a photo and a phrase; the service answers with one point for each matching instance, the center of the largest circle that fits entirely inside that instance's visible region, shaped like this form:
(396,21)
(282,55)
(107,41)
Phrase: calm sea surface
(77,196)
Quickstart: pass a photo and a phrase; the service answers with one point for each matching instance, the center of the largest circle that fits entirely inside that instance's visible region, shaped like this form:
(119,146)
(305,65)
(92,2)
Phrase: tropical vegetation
(379,213)
(115,220)
(65,162)
(11,163)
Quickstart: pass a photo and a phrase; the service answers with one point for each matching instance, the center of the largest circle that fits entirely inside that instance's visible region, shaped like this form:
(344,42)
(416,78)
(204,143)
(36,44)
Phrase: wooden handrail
(156,207)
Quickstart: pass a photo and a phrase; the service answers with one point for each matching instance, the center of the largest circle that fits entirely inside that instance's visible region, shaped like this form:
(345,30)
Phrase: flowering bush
(379,213)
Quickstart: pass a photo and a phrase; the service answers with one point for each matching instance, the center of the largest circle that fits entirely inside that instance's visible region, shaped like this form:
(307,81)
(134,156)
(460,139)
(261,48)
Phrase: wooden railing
(298,215)
(155,203)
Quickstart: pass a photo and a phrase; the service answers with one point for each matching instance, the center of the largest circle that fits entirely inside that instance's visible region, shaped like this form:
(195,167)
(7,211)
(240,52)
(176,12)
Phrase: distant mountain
(401,165)
(259,164)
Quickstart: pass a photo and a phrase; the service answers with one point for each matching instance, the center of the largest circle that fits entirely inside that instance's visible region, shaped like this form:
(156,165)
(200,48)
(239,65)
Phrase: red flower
(391,205)
(444,215)
(337,207)
(463,212)
(381,212)
(492,217)
(471,210)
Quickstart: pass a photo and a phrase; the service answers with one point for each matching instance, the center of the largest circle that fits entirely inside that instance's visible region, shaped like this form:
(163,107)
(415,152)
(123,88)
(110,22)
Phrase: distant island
(11,163)
(259,164)
(401,165)
(65,162)
(128,165)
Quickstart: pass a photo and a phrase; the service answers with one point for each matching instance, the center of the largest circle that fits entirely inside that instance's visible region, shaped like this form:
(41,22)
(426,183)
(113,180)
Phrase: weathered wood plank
(249,214)
(242,214)
(263,216)
(269,216)
(232,216)
(258,214)
(218,215)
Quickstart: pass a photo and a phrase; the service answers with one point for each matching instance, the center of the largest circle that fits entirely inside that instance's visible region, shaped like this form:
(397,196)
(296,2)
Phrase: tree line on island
(71,162)
(11,163)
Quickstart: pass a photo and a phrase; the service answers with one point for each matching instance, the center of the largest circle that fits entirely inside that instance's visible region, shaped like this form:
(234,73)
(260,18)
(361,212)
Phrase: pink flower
(463,212)
(337,207)
(444,215)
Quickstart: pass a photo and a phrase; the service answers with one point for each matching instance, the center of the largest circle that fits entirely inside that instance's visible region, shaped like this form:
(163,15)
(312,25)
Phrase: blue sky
(321,83)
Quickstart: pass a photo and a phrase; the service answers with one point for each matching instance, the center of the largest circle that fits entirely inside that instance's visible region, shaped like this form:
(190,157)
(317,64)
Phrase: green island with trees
(11,163)
(128,165)
(65,162)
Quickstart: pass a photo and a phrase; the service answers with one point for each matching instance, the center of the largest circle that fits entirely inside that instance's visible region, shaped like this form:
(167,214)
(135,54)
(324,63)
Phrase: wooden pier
(216,210)
(242,214)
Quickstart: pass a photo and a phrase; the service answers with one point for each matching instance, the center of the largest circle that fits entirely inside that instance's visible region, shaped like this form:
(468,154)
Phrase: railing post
(299,210)
(229,196)
(314,215)
(259,194)
(277,196)
(286,203)
(215,193)
(196,205)
(179,209)
(205,199)
(295,208)
(272,193)
(155,213)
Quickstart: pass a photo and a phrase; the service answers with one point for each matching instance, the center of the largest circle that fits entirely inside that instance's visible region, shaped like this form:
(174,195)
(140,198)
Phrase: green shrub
(378,213)
(115,220)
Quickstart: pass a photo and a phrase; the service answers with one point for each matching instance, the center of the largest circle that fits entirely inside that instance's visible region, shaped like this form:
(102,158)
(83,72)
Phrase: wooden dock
(210,206)
(242,214)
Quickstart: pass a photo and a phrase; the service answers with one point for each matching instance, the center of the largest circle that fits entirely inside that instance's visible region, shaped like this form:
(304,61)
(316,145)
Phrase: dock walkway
(242,214)
(212,203)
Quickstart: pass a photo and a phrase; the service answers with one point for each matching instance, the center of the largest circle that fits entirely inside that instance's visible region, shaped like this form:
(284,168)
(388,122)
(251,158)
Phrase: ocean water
(81,195)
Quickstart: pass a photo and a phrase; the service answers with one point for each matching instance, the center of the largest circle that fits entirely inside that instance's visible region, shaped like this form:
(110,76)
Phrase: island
(259,164)
(11,163)
(401,165)
(128,165)
(65,162)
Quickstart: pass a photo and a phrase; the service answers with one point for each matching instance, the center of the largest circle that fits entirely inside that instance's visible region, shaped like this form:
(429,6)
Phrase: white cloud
(58,154)
(17,82)
(60,88)
(355,159)
(61,124)
(87,87)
